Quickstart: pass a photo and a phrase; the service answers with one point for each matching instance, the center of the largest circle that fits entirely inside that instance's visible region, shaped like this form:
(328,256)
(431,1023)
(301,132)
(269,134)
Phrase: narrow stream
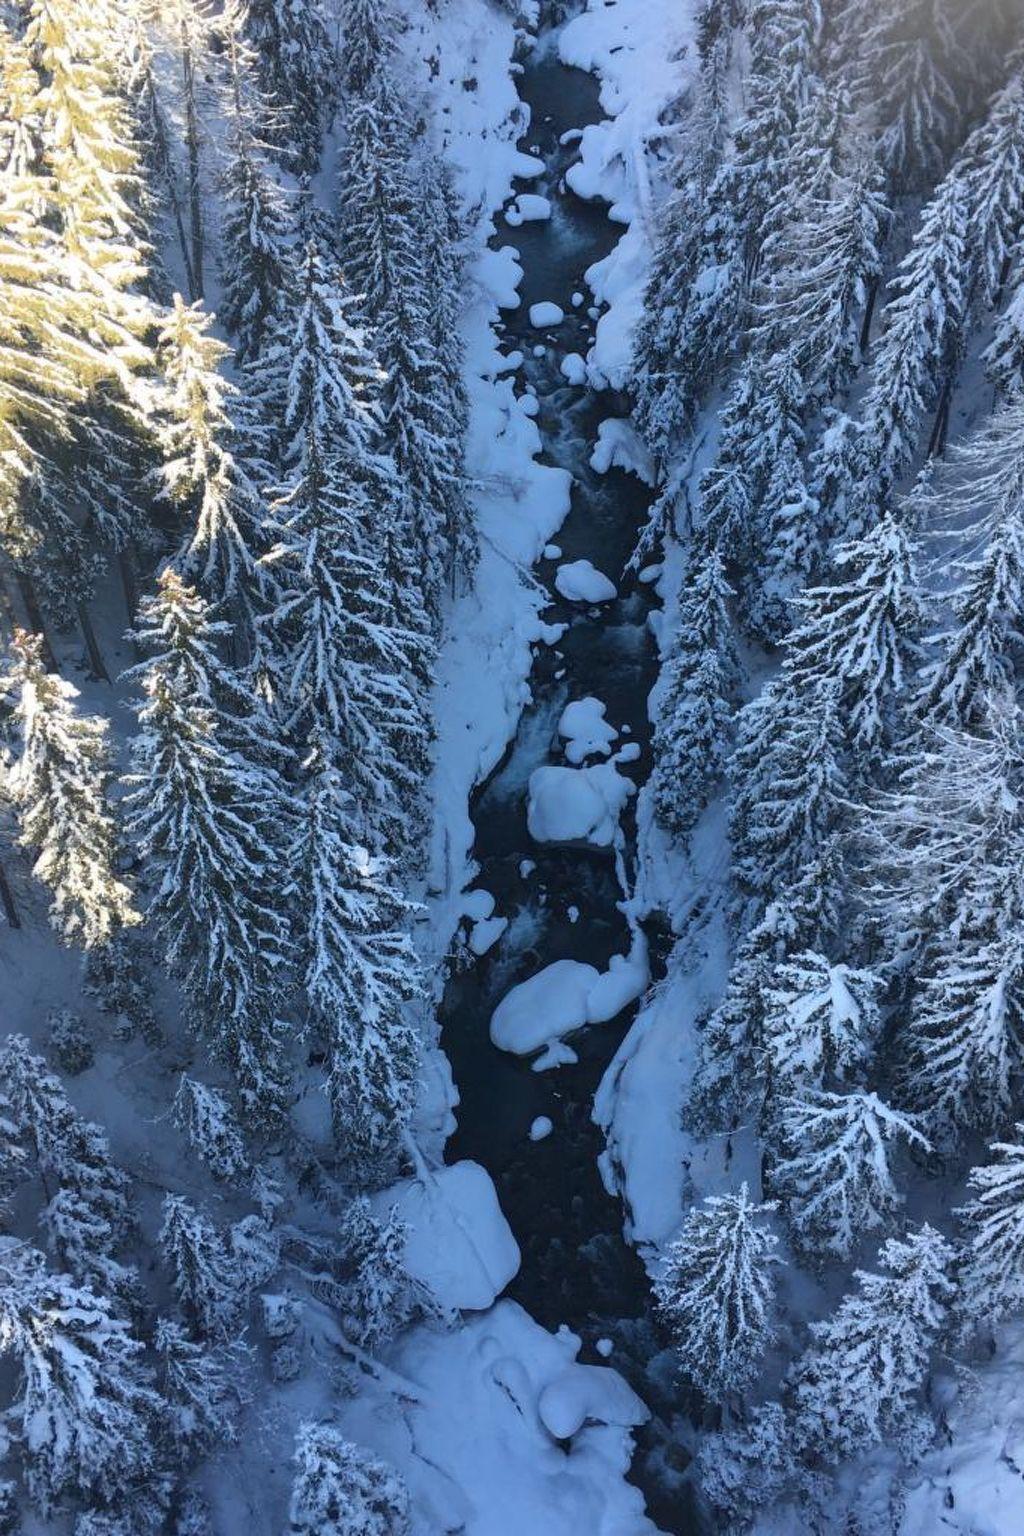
(576,1269)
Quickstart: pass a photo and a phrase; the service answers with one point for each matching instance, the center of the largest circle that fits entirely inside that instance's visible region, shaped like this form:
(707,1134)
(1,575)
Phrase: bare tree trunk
(7,899)
(195,191)
(34,615)
(869,315)
(96,663)
(129,582)
(940,429)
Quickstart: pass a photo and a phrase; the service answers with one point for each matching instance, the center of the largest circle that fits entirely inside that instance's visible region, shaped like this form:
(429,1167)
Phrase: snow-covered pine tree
(208,1289)
(445,273)
(977,498)
(201,1388)
(993,166)
(341,1490)
(717,1290)
(87,1215)
(58,785)
(913,59)
(207,821)
(963,1045)
(699,683)
(752,1466)
(789,545)
(921,344)
(291,40)
(862,633)
(360,971)
(825,270)
(84,1405)
(992,1269)
(256,256)
(788,788)
(380,1297)
(368,39)
(1004,356)
(205,1116)
(834,1171)
(857,1385)
(200,474)
(345,666)
(821,1021)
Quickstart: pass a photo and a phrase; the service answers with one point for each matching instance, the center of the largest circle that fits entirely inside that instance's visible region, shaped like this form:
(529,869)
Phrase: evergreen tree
(200,1389)
(915,61)
(857,1384)
(717,1290)
(789,544)
(207,821)
(993,165)
(360,971)
(835,1171)
(291,41)
(1004,356)
(992,1272)
(256,257)
(978,499)
(788,788)
(204,1115)
(368,34)
(87,1215)
(862,633)
(699,682)
(751,1467)
(205,1281)
(84,1405)
(340,1490)
(199,471)
(821,1021)
(380,1297)
(58,785)
(921,344)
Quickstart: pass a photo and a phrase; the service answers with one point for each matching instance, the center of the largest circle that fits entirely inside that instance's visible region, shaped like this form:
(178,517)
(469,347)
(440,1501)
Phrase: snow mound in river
(569,805)
(588,1394)
(586,731)
(565,996)
(581,583)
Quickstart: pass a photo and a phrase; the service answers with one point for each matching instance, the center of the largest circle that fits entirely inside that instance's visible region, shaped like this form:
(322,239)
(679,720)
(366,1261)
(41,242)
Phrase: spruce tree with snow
(341,1490)
(256,256)
(821,1021)
(360,970)
(58,786)
(201,1390)
(368,37)
(380,1298)
(291,40)
(1004,356)
(962,1045)
(746,1469)
(921,344)
(977,501)
(857,1385)
(205,1116)
(862,633)
(87,1215)
(789,543)
(207,822)
(84,1405)
(199,471)
(834,1172)
(993,165)
(788,788)
(912,53)
(345,665)
(717,1290)
(202,1273)
(700,678)
(992,1269)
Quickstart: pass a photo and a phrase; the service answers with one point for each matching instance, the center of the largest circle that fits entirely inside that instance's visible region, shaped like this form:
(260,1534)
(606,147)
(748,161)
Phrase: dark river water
(576,1268)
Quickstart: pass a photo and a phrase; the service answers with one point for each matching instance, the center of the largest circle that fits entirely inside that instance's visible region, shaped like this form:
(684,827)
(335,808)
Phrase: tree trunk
(7,899)
(940,430)
(34,615)
(96,662)
(195,191)
(869,314)
(129,582)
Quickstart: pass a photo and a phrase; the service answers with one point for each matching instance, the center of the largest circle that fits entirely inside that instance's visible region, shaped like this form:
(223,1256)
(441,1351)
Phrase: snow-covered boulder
(589,1394)
(580,582)
(619,447)
(458,1243)
(569,805)
(574,368)
(586,731)
(562,998)
(546,314)
(529,208)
